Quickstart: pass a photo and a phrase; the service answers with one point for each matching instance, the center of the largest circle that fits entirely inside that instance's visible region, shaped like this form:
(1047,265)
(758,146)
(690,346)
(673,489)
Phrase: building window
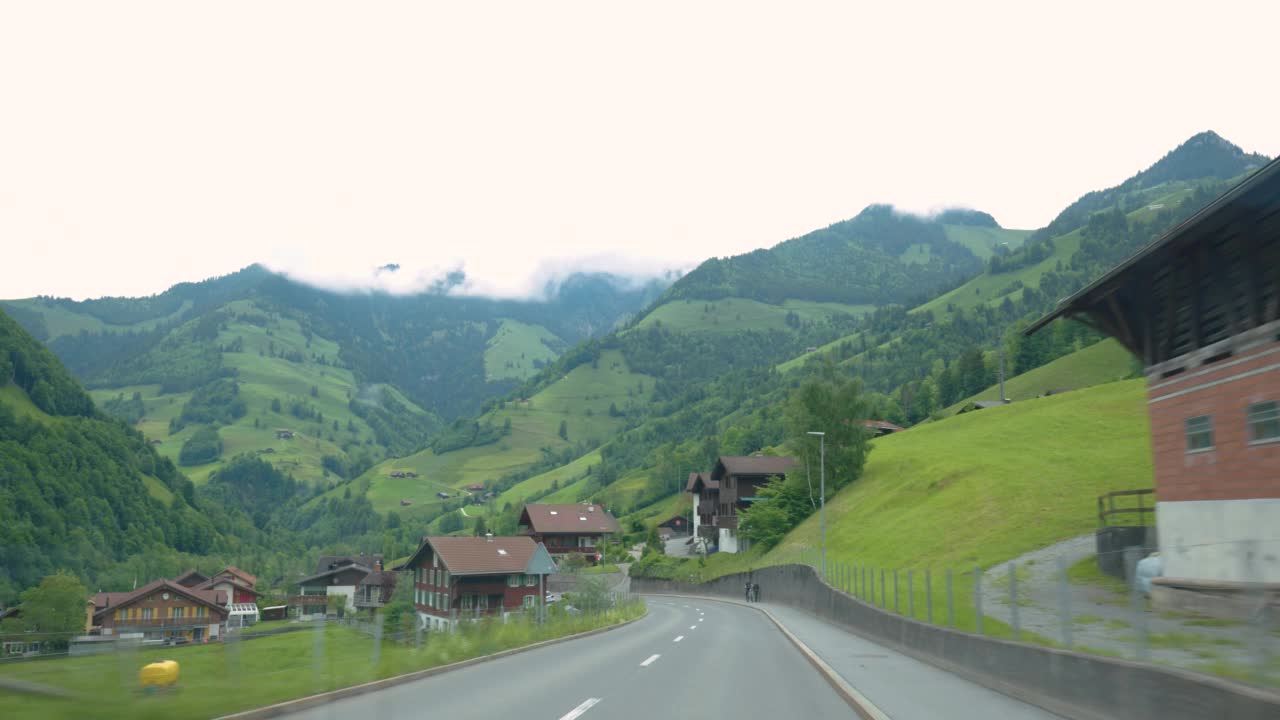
(468,601)
(529,601)
(179,613)
(147,613)
(444,578)
(1264,421)
(531,580)
(513,581)
(1199,433)
(200,611)
(585,542)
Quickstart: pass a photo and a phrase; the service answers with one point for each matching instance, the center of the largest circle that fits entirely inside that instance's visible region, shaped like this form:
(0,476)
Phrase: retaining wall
(1072,684)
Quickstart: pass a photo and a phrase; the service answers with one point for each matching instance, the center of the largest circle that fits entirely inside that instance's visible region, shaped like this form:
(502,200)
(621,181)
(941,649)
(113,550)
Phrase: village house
(569,529)
(236,585)
(880,428)
(162,610)
(706,500)
(731,486)
(1200,307)
(336,576)
(468,578)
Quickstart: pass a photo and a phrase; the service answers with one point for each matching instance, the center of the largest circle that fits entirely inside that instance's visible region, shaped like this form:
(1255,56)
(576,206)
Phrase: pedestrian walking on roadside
(748,591)
(755,592)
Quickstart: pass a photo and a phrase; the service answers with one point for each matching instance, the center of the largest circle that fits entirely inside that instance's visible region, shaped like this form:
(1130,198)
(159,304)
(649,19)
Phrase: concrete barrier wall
(1069,683)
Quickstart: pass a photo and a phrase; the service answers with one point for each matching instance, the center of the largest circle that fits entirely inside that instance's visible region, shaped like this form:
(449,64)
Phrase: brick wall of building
(1234,469)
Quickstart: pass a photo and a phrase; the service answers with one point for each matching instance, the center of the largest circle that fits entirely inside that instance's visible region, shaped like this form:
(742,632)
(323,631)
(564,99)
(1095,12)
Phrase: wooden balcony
(296,600)
(727,522)
(182,623)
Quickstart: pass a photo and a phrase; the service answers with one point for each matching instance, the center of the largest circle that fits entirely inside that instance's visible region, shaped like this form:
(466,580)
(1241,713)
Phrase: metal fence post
(317,656)
(928,596)
(911,596)
(884,603)
(951,602)
(977,597)
(895,592)
(377,641)
(1064,601)
(1013,602)
(1136,603)
(864,582)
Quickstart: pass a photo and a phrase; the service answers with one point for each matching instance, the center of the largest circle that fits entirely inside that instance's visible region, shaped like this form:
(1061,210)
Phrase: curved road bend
(729,662)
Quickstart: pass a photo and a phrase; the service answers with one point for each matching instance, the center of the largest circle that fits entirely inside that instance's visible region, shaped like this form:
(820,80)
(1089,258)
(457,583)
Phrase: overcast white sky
(147,143)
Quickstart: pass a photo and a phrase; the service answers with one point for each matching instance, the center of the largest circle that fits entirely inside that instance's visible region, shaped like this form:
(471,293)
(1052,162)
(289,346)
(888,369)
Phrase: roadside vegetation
(221,678)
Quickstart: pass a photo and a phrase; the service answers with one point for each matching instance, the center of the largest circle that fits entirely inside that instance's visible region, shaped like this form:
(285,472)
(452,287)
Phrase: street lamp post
(822,512)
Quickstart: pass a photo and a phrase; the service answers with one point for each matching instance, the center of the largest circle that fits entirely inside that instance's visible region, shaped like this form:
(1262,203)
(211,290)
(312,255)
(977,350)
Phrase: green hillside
(518,350)
(288,379)
(582,400)
(967,492)
(1102,362)
(731,315)
(984,241)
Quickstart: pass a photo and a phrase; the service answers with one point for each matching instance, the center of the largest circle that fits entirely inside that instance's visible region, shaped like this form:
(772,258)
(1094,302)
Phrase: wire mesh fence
(1063,597)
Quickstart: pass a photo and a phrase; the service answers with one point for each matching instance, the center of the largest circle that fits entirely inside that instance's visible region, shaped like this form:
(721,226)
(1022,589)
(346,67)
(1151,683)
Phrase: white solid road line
(577,712)
(649,662)
(678,638)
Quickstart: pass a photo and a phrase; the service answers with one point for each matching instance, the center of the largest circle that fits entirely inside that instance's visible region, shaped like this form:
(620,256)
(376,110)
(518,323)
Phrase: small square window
(1264,421)
(1199,433)
(529,601)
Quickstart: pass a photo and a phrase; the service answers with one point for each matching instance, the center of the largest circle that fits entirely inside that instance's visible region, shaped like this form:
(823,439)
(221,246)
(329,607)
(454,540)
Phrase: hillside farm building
(1201,308)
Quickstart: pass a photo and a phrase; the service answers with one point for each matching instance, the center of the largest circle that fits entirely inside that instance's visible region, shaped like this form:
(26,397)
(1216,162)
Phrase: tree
(56,605)
(480,528)
(833,404)
(451,523)
(653,542)
(564,430)
(275,405)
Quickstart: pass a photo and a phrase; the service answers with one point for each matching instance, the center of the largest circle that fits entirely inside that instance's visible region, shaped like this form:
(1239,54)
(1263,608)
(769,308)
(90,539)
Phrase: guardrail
(1107,507)
(1066,682)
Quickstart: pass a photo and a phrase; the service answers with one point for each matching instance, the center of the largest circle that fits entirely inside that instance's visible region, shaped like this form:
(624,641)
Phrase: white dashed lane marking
(651,660)
(577,712)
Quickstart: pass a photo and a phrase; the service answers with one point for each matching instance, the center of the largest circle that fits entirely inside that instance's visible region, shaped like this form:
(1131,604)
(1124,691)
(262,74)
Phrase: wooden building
(1201,308)
(570,528)
(162,610)
(737,481)
(468,578)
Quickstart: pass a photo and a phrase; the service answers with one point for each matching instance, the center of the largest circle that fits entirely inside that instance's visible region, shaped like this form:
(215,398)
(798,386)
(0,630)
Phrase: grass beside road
(219,679)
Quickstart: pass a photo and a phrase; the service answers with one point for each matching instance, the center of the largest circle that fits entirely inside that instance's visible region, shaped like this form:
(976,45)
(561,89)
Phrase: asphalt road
(685,659)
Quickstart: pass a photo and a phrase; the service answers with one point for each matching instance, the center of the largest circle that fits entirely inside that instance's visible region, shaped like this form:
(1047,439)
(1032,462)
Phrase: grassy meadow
(222,678)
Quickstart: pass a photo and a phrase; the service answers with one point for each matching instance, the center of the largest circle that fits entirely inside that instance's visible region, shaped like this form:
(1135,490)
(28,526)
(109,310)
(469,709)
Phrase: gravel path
(1102,619)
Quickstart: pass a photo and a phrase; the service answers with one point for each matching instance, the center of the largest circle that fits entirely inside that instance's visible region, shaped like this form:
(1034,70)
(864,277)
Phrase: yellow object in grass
(158,674)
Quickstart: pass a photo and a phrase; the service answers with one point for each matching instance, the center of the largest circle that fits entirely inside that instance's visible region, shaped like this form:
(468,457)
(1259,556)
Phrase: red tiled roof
(570,518)
(240,574)
(482,555)
(106,602)
(756,464)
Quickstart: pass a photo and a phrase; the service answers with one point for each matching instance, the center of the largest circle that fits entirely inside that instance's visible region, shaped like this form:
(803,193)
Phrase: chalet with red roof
(571,528)
(469,578)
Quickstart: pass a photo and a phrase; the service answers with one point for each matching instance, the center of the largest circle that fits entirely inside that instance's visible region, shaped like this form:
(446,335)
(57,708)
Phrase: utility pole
(822,511)
(1002,399)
